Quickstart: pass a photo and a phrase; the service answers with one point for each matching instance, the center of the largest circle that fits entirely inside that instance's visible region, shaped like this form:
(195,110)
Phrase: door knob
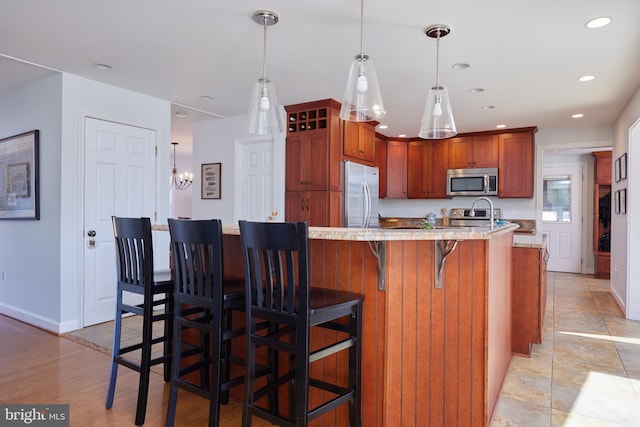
(91,233)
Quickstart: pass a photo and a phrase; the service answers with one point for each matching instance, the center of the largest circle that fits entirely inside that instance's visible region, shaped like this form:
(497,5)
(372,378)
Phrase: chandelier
(182,181)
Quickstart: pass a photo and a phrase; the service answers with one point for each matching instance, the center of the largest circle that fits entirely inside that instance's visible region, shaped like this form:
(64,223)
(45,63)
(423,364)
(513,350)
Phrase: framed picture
(623,201)
(19,197)
(623,166)
(211,175)
(616,201)
(617,170)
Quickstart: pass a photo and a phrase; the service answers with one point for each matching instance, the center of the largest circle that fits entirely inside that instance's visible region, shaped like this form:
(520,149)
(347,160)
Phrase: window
(556,199)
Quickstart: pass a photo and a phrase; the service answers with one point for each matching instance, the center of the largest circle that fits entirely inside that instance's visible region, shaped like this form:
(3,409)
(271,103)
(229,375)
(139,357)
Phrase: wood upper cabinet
(359,142)
(427,169)
(515,170)
(307,161)
(602,167)
(396,175)
(473,152)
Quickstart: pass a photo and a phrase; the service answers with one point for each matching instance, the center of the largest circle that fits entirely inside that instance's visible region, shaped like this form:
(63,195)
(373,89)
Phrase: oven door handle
(486,184)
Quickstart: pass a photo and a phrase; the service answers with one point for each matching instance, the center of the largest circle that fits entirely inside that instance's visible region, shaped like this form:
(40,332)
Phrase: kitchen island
(436,347)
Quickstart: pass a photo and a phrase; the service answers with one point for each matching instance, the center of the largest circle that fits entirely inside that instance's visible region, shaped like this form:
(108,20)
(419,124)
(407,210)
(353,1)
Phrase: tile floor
(585,373)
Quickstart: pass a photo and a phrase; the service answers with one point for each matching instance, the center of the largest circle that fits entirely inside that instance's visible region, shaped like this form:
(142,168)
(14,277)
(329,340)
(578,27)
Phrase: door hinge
(156,151)
(155,216)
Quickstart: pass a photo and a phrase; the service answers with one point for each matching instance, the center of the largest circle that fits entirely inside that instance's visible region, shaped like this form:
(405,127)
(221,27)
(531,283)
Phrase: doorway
(120,170)
(562,216)
(256,179)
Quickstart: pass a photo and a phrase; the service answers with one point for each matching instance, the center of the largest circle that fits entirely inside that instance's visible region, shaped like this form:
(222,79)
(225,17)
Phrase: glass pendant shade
(437,120)
(264,114)
(362,101)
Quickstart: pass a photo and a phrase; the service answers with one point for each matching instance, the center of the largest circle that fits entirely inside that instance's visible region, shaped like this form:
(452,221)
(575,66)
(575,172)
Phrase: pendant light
(362,101)
(264,113)
(437,120)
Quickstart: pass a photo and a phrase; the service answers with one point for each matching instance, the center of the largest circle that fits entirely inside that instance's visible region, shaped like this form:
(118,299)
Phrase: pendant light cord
(438,60)
(264,53)
(361,27)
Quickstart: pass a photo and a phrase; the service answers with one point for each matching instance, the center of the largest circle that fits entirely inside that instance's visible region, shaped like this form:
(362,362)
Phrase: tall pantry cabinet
(314,163)
(602,214)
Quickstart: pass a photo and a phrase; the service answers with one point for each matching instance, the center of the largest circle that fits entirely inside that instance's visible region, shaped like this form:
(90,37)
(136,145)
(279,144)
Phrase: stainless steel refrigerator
(360,195)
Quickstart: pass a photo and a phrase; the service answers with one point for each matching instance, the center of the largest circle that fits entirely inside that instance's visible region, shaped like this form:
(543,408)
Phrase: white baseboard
(39,321)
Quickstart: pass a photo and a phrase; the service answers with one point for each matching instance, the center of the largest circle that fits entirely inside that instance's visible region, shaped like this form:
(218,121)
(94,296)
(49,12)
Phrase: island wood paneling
(430,356)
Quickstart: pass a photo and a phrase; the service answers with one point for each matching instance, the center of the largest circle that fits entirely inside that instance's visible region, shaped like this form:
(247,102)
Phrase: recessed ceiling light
(460,66)
(206,98)
(383,127)
(501,126)
(476,90)
(487,107)
(103,67)
(598,22)
(577,116)
(586,78)
(402,135)
(181,114)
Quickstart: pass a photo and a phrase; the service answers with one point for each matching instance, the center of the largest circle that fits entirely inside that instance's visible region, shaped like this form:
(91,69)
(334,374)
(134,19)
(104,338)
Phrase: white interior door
(562,217)
(256,181)
(119,180)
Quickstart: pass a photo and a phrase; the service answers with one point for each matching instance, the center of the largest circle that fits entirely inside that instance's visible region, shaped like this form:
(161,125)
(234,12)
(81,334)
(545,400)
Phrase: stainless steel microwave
(472,182)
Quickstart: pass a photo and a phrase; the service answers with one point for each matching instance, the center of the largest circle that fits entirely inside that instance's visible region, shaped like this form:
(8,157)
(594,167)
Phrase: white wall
(625,229)
(214,141)
(30,250)
(50,295)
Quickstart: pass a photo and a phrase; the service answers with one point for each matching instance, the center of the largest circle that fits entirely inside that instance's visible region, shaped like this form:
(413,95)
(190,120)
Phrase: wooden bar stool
(135,275)
(278,292)
(203,303)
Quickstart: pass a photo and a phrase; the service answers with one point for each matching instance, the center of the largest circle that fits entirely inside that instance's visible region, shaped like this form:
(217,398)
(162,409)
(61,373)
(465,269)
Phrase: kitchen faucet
(472,212)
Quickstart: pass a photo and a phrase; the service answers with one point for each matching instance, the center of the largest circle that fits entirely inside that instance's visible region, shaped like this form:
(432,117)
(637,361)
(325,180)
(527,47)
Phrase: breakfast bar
(437,318)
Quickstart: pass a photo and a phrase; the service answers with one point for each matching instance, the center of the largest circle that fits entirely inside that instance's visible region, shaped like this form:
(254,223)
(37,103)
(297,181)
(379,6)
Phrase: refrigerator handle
(367,203)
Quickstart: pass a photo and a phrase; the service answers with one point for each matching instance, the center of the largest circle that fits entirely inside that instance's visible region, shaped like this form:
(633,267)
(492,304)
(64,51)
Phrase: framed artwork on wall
(616,172)
(623,166)
(19,198)
(211,181)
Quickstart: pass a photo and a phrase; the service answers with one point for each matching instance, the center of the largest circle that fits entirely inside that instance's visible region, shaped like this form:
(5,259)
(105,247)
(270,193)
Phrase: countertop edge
(386,234)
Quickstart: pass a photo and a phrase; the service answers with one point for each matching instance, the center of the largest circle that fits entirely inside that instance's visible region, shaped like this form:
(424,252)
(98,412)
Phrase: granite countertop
(383,234)
(536,241)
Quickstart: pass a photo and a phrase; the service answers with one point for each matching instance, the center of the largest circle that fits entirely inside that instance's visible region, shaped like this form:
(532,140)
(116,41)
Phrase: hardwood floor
(37,367)
(586,372)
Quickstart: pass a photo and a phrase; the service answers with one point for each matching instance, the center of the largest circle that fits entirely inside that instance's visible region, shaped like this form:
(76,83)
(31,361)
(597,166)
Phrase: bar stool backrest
(134,249)
(276,268)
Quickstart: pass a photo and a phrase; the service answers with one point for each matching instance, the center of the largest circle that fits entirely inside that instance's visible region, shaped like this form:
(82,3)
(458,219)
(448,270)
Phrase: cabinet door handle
(307,204)
(302,205)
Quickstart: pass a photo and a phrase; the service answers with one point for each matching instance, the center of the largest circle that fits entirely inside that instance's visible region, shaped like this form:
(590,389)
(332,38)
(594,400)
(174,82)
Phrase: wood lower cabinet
(529,297)
(396,175)
(427,169)
(359,142)
(319,208)
(473,152)
(516,164)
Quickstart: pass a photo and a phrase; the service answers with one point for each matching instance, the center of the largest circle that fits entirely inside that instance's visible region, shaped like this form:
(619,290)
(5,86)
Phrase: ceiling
(527,56)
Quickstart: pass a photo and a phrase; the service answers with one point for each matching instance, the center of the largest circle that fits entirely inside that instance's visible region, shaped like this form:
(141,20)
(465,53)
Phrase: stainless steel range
(460,217)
